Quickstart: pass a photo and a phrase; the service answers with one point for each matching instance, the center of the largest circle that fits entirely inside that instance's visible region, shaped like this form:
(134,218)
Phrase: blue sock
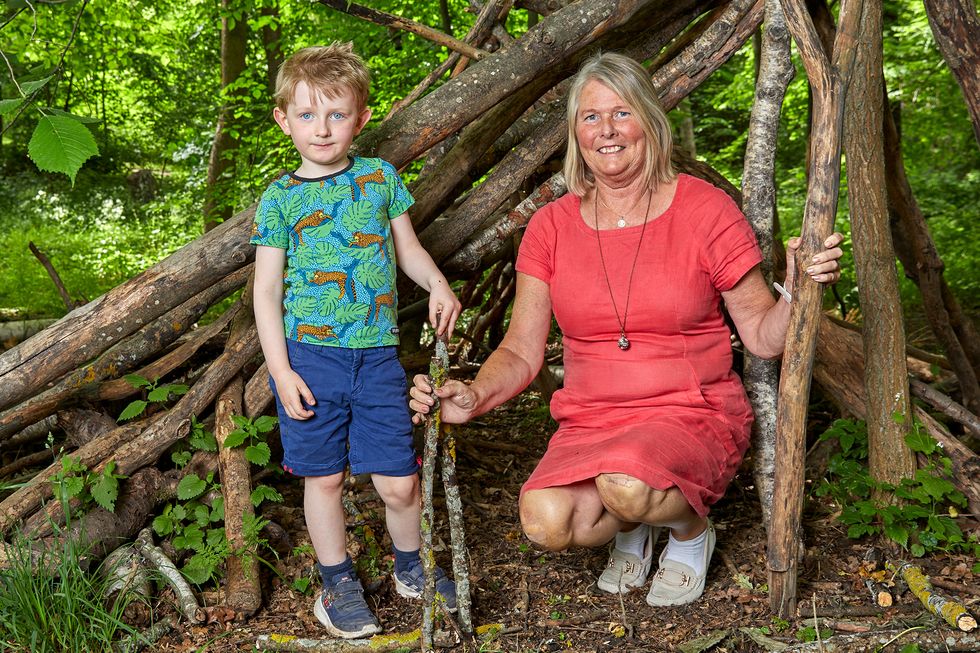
(405,559)
(328,572)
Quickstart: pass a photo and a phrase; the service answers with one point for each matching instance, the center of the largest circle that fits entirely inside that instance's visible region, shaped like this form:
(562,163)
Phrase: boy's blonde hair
(630,81)
(326,69)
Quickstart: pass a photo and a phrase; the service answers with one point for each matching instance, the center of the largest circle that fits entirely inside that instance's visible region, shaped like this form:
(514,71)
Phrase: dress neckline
(682,181)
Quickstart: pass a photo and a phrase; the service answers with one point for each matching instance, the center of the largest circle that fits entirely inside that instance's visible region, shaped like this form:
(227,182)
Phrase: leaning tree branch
(55,277)
(760,376)
(397,22)
(957,30)
(829,85)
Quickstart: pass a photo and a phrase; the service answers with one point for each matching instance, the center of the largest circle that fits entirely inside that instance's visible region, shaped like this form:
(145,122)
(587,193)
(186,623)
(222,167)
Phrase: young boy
(328,236)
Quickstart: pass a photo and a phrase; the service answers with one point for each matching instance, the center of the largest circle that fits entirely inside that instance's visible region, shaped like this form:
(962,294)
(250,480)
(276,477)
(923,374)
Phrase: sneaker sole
(406,591)
(323,618)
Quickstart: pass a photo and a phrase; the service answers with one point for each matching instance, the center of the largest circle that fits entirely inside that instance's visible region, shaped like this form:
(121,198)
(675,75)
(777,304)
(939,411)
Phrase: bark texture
(957,30)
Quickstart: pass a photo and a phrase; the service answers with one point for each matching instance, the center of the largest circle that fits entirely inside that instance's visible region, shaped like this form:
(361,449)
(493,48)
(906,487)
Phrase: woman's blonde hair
(326,69)
(630,81)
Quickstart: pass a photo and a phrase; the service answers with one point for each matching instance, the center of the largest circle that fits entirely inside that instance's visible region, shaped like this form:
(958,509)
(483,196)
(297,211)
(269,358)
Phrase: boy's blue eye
(336,115)
(306,116)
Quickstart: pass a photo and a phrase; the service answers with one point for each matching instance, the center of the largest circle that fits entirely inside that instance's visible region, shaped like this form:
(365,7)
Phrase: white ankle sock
(690,552)
(633,541)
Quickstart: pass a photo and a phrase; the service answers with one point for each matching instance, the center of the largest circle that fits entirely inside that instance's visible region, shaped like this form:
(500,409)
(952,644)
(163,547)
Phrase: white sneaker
(676,583)
(624,571)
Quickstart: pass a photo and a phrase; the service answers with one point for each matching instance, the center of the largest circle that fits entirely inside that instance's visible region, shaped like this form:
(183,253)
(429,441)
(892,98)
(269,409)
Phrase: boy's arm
(420,268)
(267,301)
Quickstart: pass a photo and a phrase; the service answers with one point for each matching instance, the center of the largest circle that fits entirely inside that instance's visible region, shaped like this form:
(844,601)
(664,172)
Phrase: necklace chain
(621,217)
(623,342)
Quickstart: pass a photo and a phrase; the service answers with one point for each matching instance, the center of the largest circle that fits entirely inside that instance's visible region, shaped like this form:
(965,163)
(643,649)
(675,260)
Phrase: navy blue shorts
(361,413)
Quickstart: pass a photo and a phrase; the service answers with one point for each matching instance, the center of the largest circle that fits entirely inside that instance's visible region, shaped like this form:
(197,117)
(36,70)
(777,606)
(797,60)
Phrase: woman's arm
(507,371)
(762,321)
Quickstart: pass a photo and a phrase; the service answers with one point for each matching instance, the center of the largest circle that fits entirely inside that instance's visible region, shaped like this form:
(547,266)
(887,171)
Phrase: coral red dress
(669,410)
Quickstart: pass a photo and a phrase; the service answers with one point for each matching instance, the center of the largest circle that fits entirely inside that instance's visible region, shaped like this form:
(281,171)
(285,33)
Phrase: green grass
(95,236)
(62,609)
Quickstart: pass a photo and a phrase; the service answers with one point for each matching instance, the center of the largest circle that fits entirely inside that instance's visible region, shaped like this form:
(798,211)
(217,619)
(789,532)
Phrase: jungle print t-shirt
(340,272)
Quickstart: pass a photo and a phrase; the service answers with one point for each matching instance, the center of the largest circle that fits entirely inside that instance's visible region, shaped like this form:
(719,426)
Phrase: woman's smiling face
(611,139)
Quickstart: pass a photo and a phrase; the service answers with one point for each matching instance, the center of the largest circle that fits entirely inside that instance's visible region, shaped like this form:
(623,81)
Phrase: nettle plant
(75,481)
(923,520)
(155,394)
(195,521)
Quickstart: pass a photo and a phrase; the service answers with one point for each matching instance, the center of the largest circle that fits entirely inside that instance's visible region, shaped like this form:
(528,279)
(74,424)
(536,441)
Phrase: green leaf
(357,216)
(898,533)
(235,439)
(266,423)
(366,336)
(218,510)
(133,410)
(258,454)
(163,525)
(936,487)
(911,648)
(29,87)
(180,458)
(159,394)
(240,421)
(920,441)
(351,313)
(371,275)
(191,538)
(264,493)
(917,550)
(203,440)
(190,487)
(138,381)
(61,144)
(74,485)
(198,570)
(8,107)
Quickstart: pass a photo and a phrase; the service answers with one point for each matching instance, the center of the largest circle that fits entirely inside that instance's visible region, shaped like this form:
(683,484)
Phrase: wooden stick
(454,505)
(397,22)
(437,374)
(186,601)
(944,404)
(55,277)
(392,642)
(952,612)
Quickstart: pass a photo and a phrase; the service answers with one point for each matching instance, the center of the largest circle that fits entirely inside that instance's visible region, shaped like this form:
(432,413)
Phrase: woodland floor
(550,600)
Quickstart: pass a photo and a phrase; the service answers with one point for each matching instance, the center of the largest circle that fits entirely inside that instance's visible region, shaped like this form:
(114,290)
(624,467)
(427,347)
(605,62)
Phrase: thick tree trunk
(272,45)
(829,80)
(221,167)
(760,376)
(889,458)
(957,30)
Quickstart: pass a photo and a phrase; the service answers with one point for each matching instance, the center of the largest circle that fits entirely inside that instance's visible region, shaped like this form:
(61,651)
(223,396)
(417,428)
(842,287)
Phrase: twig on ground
(186,600)
(953,612)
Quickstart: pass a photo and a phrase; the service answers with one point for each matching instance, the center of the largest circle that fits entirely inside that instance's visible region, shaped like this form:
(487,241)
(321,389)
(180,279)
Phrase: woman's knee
(544,523)
(627,497)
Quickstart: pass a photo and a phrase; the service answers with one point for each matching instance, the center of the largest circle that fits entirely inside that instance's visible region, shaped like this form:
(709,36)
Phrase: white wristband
(782,291)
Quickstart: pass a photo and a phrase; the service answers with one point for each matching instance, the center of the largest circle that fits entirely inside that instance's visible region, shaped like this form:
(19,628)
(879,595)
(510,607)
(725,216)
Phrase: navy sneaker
(410,583)
(341,608)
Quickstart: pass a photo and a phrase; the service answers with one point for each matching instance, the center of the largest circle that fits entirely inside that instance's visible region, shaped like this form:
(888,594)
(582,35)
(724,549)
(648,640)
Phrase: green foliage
(61,144)
(75,481)
(253,435)
(55,604)
(921,521)
(809,633)
(155,393)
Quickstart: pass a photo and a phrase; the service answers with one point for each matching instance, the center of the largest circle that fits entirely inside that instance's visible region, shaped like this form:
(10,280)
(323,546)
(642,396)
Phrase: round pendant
(621,222)
(624,342)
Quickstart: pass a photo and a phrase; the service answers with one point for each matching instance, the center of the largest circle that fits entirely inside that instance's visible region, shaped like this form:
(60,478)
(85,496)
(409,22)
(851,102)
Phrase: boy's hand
(444,309)
(293,392)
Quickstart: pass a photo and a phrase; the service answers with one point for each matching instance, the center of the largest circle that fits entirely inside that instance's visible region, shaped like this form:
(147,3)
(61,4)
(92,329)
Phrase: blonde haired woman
(634,263)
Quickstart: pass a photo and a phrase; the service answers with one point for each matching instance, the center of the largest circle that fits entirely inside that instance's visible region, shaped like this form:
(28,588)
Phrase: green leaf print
(361,253)
(323,195)
(365,337)
(292,208)
(389,313)
(302,307)
(358,215)
(320,255)
(352,313)
(329,300)
(372,276)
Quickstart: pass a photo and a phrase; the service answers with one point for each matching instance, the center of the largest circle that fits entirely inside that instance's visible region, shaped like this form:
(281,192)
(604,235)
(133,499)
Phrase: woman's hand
(456,399)
(825,266)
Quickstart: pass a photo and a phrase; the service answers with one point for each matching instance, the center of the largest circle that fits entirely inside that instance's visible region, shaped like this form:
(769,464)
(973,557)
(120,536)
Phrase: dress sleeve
(537,252)
(730,247)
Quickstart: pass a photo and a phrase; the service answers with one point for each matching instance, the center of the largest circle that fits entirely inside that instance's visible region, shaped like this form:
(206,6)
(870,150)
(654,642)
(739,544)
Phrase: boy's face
(322,129)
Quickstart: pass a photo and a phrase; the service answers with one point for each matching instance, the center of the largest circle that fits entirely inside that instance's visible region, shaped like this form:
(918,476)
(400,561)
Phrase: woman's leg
(632,500)
(556,518)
